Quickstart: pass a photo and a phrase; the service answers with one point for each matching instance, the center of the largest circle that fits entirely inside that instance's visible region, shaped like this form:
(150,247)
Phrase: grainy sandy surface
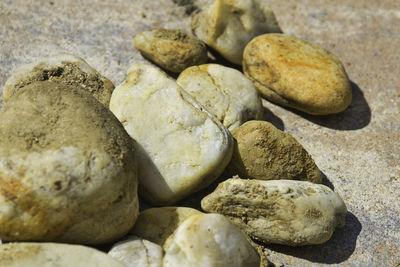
(358,150)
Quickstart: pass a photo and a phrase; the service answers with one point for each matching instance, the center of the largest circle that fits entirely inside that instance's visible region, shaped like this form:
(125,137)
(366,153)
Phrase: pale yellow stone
(228,25)
(53,254)
(172,50)
(298,74)
(67,168)
(182,147)
(64,68)
(157,224)
(287,212)
(209,240)
(137,252)
(224,91)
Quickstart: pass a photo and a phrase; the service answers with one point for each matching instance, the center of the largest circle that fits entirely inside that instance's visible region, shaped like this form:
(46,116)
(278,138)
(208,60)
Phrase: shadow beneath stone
(338,249)
(273,119)
(326,182)
(216,58)
(356,116)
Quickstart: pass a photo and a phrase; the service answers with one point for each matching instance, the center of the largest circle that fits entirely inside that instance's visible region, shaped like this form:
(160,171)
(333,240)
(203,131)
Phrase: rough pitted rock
(223,91)
(286,212)
(67,168)
(182,147)
(298,74)
(64,68)
(263,152)
(172,50)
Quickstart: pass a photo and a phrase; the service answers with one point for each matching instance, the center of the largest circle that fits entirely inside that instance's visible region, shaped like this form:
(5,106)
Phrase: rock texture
(182,148)
(225,92)
(355,149)
(263,152)
(135,251)
(172,50)
(209,240)
(64,68)
(298,74)
(67,168)
(293,213)
(53,254)
(227,26)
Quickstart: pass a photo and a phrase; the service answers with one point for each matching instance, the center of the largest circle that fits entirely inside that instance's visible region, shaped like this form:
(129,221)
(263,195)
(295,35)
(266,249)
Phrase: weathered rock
(209,240)
(182,147)
(53,254)
(157,224)
(298,74)
(287,212)
(172,50)
(227,26)
(223,91)
(136,252)
(67,168)
(64,68)
(263,152)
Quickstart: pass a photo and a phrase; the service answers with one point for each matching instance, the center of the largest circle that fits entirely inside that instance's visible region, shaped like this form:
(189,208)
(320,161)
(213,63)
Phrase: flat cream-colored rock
(287,212)
(137,252)
(209,240)
(67,168)
(263,152)
(182,147)
(64,68)
(172,50)
(228,25)
(224,91)
(298,74)
(53,254)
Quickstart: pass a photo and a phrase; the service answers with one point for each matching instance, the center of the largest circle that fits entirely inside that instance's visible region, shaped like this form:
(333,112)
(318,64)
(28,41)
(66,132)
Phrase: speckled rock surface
(357,150)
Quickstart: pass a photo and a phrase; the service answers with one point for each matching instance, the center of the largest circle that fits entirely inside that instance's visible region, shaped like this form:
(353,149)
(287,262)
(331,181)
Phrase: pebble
(172,50)
(287,212)
(182,147)
(67,168)
(227,26)
(296,73)
(263,152)
(223,91)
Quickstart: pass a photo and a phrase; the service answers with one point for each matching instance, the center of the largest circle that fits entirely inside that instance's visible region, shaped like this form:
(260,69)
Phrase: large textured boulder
(287,212)
(223,91)
(172,50)
(67,168)
(137,252)
(182,147)
(63,68)
(228,25)
(209,240)
(298,74)
(263,152)
(53,254)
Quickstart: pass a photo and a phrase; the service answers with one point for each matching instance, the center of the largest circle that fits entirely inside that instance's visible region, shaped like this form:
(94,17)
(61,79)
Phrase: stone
(67,168)
(181,147)
(209,240)
(287,212)
(172,50)
(296,73)
(135,251)
(53,254)
(157,224)
(264,152)
(227,26)
(64,68)
(223,91)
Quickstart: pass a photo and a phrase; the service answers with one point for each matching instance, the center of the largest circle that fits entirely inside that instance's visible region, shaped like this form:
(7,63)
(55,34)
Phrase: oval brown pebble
(296,73)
